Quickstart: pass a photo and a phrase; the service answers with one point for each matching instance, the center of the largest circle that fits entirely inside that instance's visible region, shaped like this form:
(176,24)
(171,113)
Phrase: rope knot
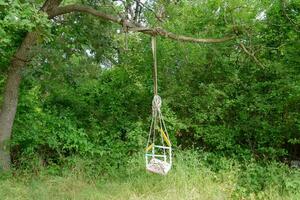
(156,103)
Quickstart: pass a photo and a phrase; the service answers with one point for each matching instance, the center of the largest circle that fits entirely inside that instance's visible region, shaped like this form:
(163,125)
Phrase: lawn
(191,178)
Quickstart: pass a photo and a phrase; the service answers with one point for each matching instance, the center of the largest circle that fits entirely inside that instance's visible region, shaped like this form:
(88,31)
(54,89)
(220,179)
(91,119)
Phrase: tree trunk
(8,111)
(10,101)
(11,91)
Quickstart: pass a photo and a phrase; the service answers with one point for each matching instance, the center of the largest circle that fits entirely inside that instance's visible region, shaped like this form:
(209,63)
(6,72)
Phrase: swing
(159,149)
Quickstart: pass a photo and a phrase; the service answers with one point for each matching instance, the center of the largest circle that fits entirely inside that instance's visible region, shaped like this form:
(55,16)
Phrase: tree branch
(133,26)
(284,7)
(251,55)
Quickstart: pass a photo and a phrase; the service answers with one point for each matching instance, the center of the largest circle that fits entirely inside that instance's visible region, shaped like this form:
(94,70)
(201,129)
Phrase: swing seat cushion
(158,166)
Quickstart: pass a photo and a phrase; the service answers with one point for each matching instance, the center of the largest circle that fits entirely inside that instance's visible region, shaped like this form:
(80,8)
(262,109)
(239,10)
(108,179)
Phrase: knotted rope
(156,104)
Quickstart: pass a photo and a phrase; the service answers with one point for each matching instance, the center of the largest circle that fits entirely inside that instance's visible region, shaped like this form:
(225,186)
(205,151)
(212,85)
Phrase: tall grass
(194,176)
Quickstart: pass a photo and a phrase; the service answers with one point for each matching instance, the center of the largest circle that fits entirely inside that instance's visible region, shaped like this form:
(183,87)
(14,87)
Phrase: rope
(156,104)
(157,127)
(153,41)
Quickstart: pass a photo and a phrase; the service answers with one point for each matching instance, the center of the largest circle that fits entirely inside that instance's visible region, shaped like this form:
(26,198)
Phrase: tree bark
(10,101)
(8,111)
(11,90)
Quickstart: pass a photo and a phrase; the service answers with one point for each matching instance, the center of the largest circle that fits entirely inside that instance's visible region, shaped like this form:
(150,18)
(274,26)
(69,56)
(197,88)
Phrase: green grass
(191,178)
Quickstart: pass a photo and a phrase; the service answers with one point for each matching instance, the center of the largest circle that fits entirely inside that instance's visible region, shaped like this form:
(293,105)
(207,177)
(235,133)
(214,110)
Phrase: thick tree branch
(133,26)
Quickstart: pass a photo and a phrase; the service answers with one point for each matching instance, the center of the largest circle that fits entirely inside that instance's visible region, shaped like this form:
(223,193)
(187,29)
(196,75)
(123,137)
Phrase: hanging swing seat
(158,157)
(159,148)
(158,166)
(158,162)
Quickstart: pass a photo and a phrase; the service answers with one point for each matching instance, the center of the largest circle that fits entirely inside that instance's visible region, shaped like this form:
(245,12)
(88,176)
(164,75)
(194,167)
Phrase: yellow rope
(166,139)
(149,147)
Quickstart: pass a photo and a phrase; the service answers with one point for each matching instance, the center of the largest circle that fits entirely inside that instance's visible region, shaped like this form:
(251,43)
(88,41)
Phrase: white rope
(156,104)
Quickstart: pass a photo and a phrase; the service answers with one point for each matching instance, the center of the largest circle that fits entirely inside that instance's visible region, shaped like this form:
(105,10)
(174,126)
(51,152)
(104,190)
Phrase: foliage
(17,18)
